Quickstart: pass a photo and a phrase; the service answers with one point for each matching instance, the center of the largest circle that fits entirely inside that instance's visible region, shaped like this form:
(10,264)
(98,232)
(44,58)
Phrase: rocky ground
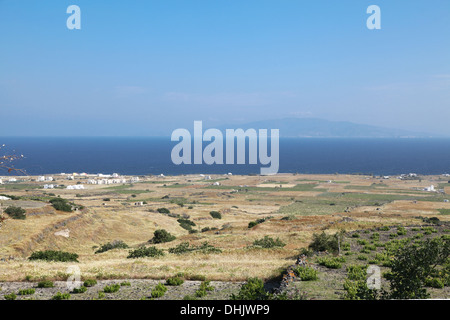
(138,289)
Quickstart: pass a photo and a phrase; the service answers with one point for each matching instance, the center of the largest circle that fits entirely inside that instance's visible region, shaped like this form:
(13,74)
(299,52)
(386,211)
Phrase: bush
(357,272)
(252,290)
(184,247)
(142,252)
(50,255)
(268,243)
(306,273)
(16,213)
(174,281)
(90,282)
(61,296)
(162,236)
(324,242)
(159,291)
(125,284)
(204,288)
(107,199)
(254,223)
(186,224)
(413,264)
(81,289)
(332,263)
(112,288)
(61,204)
(45,284)
(163,210)
(434,283)
(25,292)
(11,296)
(216,214)
(116,244)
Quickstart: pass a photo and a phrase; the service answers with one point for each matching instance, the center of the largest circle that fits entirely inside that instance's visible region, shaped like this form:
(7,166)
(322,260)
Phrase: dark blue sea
(142,156)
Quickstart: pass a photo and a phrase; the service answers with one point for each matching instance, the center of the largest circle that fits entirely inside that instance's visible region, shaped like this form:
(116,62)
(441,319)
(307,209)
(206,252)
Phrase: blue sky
(149,67)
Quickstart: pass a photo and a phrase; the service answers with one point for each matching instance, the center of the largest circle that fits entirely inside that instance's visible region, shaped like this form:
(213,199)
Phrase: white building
(76,187)
(1,181)
(134,179)
(12,180)
(40,179)
(430,188)
(49,179)
(70,178)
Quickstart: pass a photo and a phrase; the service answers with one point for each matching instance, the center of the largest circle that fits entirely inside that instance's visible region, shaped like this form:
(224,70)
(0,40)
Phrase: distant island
(320,128)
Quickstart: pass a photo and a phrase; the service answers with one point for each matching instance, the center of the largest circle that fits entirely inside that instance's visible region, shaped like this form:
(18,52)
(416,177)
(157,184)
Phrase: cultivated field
(295,207)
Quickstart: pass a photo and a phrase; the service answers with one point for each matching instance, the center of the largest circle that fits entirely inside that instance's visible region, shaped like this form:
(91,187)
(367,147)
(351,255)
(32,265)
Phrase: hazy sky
(147,67)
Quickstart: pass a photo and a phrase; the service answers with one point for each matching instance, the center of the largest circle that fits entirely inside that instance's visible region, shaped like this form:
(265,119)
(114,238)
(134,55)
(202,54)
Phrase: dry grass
(119,219)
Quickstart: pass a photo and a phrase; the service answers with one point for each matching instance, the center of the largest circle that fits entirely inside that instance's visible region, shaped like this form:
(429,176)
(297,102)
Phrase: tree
(16,212)
(412,264)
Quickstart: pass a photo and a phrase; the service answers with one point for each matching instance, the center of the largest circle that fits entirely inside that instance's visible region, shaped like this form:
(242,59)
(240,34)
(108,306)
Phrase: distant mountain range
(319,128)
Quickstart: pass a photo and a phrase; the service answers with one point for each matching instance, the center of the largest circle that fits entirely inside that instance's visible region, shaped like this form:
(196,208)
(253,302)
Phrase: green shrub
(125,284)
(174,281)
(112,288)
(332,263)
(90,282)
(15,213)
(385,228)
(184,247)
(81,289)
(50,255)
(186,224)
(413,264)
(10,296)
(355,235)
(161,236)
(116,244)
(25,292)
(163,210)
(362,257)
(324,242)
(306,273)
(61,296)
(61,204)
(346,246)
(258,221)
(204,288)
(252,290)
(434,283)
(216,214)
(357,272)
(268,242)
(159,291)
(358,290)
(362,242)
(45,284)
(401,231)
(142,252)
(375,236)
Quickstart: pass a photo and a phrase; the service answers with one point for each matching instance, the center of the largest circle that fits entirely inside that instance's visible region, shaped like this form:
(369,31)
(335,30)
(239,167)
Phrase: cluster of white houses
(113,181)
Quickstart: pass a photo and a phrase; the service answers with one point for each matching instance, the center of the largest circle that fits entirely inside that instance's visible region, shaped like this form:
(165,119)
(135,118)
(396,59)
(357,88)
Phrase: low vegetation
(51,255)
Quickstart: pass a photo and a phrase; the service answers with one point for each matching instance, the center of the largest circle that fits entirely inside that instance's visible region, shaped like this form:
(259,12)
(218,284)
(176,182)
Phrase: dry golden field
(299,205)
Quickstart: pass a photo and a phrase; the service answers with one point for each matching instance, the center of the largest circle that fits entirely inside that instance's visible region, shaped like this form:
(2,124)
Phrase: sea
(152,156)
